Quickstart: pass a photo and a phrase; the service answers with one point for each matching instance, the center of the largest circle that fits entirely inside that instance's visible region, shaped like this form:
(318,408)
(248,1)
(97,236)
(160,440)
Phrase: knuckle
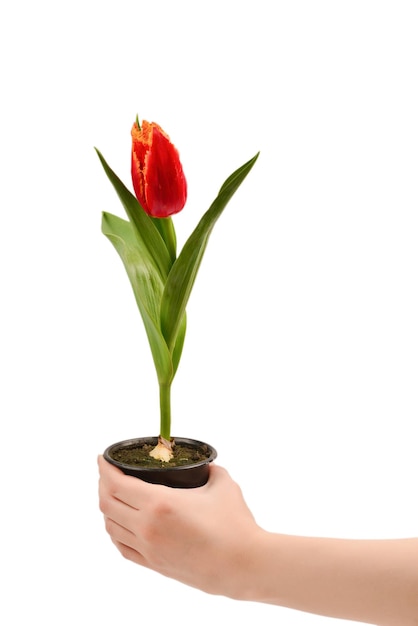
(104,504)
(161,509)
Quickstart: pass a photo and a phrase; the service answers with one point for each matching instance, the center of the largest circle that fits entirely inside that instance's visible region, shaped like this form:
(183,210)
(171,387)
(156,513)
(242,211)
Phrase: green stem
(165,411)
(166,229)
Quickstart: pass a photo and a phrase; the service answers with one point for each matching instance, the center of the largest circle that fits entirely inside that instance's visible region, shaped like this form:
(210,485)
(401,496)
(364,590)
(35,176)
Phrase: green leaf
(147,286)
(183,273)
(145,229)
(178,348)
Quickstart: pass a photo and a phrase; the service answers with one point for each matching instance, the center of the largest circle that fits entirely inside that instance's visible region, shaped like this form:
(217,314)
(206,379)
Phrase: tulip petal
(157,174)
(165,184)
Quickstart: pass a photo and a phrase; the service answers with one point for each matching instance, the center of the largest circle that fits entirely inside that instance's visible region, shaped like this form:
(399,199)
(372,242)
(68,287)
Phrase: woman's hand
(201,537)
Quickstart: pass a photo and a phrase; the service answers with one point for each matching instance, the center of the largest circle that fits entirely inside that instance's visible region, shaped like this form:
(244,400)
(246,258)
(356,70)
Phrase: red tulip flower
(157,174)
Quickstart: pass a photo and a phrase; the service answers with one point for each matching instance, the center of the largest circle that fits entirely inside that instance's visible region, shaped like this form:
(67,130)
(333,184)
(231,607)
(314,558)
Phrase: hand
(207,538)
(201,537)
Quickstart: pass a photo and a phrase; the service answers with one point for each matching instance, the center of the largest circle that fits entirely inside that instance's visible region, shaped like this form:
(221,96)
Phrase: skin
(207,538)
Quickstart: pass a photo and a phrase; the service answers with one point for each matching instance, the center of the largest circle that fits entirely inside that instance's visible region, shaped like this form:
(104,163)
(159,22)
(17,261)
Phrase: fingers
(130,554)
(140,494)
(120,533)
(117,511)
(128,489)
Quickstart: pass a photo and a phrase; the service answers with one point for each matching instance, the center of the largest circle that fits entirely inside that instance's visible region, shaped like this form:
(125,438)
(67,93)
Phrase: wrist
(250,575)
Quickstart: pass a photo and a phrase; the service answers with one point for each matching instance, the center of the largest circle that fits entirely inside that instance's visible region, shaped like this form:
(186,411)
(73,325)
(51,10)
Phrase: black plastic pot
(193,474)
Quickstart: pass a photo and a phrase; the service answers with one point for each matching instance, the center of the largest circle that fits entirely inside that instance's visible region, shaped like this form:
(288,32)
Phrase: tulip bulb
(163,451)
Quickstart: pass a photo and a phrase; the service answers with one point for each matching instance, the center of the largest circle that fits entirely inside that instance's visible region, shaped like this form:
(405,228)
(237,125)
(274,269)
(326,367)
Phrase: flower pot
(189,468)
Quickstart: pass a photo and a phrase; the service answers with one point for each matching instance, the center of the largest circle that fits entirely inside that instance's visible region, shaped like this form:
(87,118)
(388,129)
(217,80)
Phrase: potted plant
(162,281)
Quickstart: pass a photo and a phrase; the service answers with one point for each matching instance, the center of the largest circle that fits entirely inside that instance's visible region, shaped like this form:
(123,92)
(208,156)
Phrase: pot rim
(153,441)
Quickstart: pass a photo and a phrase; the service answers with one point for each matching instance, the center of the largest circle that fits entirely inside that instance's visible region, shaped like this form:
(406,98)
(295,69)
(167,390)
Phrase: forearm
(372,581)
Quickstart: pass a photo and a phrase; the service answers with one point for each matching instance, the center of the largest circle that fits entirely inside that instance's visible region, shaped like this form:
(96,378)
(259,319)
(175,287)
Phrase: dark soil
(138,455)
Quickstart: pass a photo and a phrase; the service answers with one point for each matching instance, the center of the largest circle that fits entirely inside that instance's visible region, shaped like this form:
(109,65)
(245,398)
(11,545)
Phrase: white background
(302,334)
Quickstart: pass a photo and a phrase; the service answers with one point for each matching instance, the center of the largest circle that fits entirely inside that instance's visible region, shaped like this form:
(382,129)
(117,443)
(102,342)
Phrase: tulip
(157,174)
(162,280)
